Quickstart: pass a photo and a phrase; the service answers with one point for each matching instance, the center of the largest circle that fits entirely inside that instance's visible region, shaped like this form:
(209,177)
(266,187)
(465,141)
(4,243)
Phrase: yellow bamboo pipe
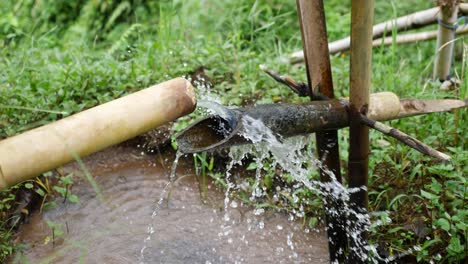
(39,150)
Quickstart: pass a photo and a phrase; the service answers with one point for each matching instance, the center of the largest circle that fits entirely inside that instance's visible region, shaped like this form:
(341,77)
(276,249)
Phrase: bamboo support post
(39,150)
(362,17)
(315,44)
(447,20)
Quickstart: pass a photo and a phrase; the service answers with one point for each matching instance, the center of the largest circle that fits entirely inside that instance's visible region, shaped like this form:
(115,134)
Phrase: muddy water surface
(187,229)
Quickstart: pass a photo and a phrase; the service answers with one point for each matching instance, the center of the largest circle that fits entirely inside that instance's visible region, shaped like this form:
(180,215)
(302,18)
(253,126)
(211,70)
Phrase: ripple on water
(186,230)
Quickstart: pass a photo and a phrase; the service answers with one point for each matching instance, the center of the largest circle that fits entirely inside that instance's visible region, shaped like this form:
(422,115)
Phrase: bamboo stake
(446,33)
(362,17)
(315,43)
(300,88)
(411,21)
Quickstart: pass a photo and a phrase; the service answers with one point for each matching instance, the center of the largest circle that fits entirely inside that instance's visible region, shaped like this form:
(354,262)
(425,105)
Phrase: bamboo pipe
(362,17)
(39,150)
(286,120)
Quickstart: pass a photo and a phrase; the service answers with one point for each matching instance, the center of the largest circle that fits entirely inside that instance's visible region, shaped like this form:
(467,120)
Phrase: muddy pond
(185,229)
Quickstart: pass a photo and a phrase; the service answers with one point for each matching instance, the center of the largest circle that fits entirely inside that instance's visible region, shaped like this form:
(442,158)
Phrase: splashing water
(157,207)
(218,109)
(290,155)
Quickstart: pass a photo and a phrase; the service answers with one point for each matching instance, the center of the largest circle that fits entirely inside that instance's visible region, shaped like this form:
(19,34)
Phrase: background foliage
(60,57)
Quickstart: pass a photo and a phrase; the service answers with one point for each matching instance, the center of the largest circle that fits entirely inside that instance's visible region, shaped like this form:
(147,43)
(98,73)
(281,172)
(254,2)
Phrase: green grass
(61,57)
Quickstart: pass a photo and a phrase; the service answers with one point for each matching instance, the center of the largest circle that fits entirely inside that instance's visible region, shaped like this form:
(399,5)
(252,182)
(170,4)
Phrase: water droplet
(261,225)
(259,211)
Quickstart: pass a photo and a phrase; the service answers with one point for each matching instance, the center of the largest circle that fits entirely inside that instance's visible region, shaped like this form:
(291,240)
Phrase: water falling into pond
(292,156)
(158,204)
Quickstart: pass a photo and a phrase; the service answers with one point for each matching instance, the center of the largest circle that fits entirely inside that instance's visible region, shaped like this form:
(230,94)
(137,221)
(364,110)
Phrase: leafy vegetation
(60,57)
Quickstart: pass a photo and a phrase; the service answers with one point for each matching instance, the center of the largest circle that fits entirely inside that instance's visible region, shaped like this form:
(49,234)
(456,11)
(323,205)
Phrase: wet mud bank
(185,229)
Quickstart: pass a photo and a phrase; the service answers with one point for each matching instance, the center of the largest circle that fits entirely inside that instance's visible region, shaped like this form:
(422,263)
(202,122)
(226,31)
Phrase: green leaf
(429,243)
(268,181)
(443,223)
(60,190)
(40,192)
(429,195)
(395,229)
(73,198)
(455,247)
(211,165)
(49,205)
(58,232)
(29,185)
(252,166)
(313,222)
(436,186)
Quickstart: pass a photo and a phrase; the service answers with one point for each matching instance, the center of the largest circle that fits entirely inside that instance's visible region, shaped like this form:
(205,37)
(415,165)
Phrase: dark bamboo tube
(362,17)
(216,132)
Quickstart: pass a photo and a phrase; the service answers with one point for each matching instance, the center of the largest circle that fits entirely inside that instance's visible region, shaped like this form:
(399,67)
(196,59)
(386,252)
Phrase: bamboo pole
(408,22)
(412,38)
(315,43)
(362,16)
(446,33)
(39,150)
(400,39)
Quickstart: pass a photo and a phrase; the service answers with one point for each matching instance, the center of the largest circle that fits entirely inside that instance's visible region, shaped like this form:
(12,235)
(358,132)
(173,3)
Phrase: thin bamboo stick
(336,47)
(362,16)
(412,38)
(446,33)
(404,138)
(315,43)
